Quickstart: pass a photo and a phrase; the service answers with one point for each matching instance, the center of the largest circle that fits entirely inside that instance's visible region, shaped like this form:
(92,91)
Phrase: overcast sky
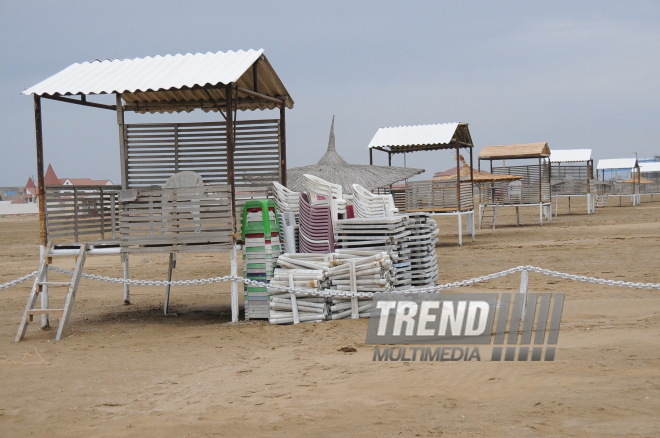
(577,74)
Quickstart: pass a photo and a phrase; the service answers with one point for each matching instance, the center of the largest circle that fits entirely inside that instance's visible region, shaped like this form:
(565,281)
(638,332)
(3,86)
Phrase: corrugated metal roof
(569,155)
(416,137)
(649,166)
(616,163)
(524,150)
(159,82)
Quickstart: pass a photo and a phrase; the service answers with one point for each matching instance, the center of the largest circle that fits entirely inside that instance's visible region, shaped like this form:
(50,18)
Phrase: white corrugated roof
(148,74)
(616,163)
(416,135)
(569,155)
(649,166)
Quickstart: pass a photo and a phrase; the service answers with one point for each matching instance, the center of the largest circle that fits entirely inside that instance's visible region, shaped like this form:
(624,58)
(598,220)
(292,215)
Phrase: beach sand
(130,371)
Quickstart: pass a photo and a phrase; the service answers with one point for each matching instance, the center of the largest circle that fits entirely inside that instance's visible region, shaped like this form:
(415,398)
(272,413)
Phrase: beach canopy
(174,82)
(505,152)
(477,175)
(333,168)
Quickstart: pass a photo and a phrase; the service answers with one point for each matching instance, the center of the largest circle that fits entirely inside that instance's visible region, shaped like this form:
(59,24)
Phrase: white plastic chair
(180,180)
(515,191)
(322,192)
(286,199)
(367,204)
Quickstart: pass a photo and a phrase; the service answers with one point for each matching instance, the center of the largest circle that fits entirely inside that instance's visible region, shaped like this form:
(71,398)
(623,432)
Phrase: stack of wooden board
(261,247)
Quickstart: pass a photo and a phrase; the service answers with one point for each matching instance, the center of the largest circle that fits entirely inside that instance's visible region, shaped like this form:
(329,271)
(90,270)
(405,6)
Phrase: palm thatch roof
(477,175)
(642,180)
(505,152)
(333,168)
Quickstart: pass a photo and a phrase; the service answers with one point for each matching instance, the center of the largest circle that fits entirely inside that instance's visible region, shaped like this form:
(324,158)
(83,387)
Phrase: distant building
(29,193)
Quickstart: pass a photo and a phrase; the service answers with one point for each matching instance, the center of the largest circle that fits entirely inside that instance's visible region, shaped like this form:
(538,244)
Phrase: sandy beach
(130,371)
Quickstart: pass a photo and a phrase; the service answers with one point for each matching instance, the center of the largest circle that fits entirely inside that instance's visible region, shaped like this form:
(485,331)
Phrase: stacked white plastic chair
(367,204)
(288,207)
(322,192)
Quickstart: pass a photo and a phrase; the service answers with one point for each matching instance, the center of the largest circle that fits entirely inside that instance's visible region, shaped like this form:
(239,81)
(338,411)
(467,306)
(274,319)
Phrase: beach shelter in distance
(571,175)
(454,197)
(532,190)
(611,172)
(233,159)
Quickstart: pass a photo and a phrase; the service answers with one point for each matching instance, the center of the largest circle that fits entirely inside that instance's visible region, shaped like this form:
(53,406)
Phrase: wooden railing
(182,219)
(77,213)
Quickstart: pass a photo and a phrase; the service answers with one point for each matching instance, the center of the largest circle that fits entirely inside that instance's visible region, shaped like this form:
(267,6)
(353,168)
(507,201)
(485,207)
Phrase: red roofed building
(51,179)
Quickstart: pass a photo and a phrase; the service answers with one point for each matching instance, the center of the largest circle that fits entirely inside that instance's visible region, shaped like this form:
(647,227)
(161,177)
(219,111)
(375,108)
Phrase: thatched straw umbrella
(641,180)
(333,168)
(478,176)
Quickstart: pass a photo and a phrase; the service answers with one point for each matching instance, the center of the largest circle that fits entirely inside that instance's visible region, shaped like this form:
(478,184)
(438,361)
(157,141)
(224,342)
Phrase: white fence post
(524,280)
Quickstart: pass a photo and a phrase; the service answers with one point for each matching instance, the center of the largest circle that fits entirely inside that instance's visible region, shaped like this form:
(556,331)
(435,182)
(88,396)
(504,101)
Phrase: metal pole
(524,281)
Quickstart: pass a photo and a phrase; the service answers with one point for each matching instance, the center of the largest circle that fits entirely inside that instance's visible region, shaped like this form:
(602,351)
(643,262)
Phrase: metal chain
(347,294)
(18,280)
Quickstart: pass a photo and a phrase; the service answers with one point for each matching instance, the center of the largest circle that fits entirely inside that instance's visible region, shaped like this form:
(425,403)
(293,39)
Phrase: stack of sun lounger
(363,271)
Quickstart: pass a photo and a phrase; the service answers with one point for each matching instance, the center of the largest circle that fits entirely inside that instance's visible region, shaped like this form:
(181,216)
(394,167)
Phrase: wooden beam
(255,76)
(83,102)
(123,149)
(231,148)
(261,96)
(41,192)
(282,144)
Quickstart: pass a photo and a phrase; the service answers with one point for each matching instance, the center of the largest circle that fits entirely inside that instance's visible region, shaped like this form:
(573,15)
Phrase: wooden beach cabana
(611,173)
(453,197)
(650,170)
(181,183)
(533,189)
(571,175)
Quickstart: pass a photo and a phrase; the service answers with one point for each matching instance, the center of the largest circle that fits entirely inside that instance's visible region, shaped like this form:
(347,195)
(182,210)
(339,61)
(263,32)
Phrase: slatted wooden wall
(157,151)
(534,185)
(570,178)
(81,213)
(438,196)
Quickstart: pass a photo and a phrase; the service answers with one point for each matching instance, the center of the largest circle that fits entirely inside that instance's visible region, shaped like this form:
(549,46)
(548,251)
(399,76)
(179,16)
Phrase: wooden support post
(45,318)
(123,152)
(234,284)
(41,190)
(229,127)
(389,158)
(371,156)
(524,280)
(170,268)
(41,199)
(283,144)
(458,184)
(127,290)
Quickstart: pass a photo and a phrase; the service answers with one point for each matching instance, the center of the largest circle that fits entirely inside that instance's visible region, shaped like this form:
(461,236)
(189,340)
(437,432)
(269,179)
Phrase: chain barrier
(18,280)
(347,294)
